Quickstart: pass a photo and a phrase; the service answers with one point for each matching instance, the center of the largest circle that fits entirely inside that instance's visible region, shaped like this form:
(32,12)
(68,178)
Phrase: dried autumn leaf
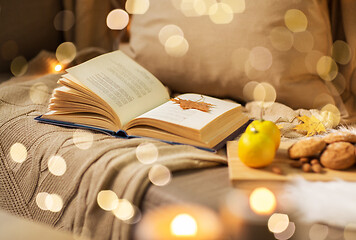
(188,104)
(311,125)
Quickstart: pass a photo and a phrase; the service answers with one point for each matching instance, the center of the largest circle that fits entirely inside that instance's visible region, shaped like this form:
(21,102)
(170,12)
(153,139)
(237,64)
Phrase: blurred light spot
(64,20)
(318,232)
(311,61)
(147,153)
(54,202)
(19,66)
(159,175)
(239,57)
(41,200)
(331,115)
(176,4)
(278,222)
(107,200)
(117,19)
(18,152)
(265,92)
(184,225)
(341,52)
(200,7)
(251,72)
(9,50)
(176,46)
(192,8)
(260,58)
(124,211)
(136,217)
(350,231)
(57,165)
(295,20)
(248,90)
(281,38)
(287,233)
(66,52)
(262,201)
(82,139)
(221,13)
(58,68)
(137,6)
(303,41)
(39,93)
(327,68)
(322,99)
(339,83)
(237,6)
(168,31)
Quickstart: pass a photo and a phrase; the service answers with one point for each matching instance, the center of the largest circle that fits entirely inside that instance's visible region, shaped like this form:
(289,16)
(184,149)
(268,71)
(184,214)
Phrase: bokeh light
(262,201)
(248,90)
(107,200)
(339,83)
(331,115)
(137,6)
(318,232)
(159,175)
(18,152)
(264,92)
(58,68)
(124,211)
(147,153)
(303,41)
(57,165)
(278,222)
(322,99)
(64,20)
(327,68)
(176,46)
(39,93)
(341,52)
(168,31)
(19,66)
(287,233)
(117,19)
(41,200)
(239,57)
(66,52)
(295,20)
(54,202)
(184,225)
(311,60)
(9,50)
(350,231)
(251,72)
(193,8)
(83,139)
(260,58)
(136,216)
(237,6)
(221,13)
(281,38)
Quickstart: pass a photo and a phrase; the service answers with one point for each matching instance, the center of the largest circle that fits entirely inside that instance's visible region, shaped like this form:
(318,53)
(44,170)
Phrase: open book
(113,93)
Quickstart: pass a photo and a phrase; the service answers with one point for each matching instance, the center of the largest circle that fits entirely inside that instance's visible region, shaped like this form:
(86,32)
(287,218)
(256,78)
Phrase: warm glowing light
(295,20)
(54,202)
(176,46)
(57,165)
(193,8)
(341,52)
(248,90)
(64,20)
(221,13)
(83,139)
(9,50)
(107,200)
(303,41)
(237,6)
(117,19)
(147,153)
(137,6)
(265,92)
(19,66)
(39,93)
(287,233)
(260,58)
(322,99)
(184,225)
(18,152)
(251,72)
(41,200)
(350,231)
(124,211)
(311,60)
(281,38)
(239,57)
(318,232)
(168,31)
(278,222)
(66,52)
(58,68)
(327,68)
(262,201)
(340,84)
(159,175)
(331,115)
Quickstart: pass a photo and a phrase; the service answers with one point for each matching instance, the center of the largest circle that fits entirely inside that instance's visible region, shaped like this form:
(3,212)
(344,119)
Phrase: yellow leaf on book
(188,104)
(311,125)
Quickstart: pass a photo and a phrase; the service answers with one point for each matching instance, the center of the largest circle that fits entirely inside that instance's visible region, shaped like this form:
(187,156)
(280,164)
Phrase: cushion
(278,42)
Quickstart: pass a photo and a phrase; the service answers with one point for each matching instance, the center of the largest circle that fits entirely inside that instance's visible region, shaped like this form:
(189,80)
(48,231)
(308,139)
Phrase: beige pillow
(258,44)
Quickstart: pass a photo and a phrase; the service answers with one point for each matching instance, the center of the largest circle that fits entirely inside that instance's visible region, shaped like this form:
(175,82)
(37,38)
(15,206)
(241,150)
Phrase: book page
(125,85)
(191,118)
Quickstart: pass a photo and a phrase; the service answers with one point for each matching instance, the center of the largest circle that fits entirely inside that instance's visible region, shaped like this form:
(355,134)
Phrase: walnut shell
(306,148)
(338,156)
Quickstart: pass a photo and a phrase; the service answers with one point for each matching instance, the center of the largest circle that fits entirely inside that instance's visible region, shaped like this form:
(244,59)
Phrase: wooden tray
(240,172)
